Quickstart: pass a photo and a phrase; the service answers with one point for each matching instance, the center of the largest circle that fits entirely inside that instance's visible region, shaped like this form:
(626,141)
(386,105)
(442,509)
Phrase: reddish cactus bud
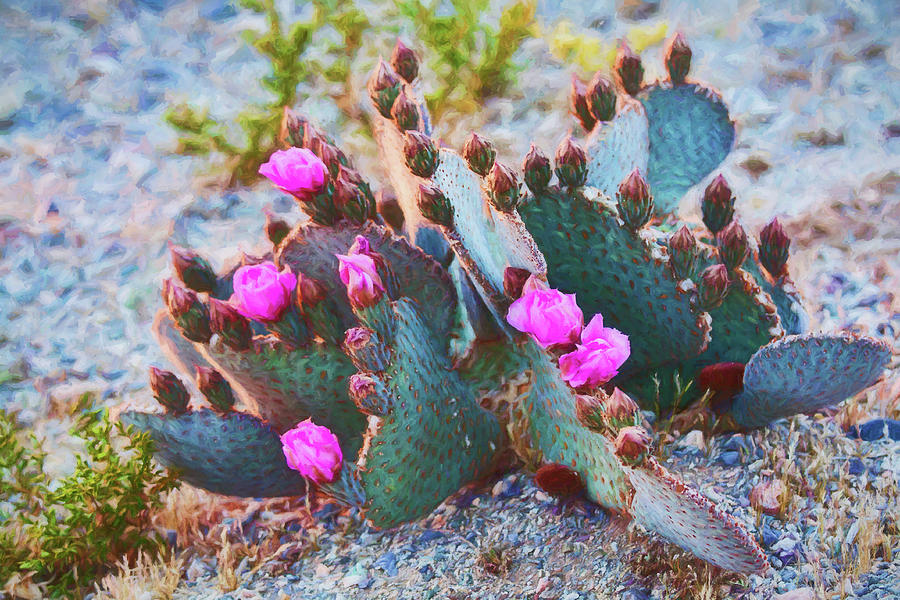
(479,153)
(405,112)
(230,325)
(633,444)
(276,229)
(384,87)
(601,98)
(309,291)
(194,270)
(293,128)
(169,391)
(678,59)
(635,204)
(718,205)
(536,170)
(571,163)
(629,70)
(733,245)
(578,104)
(514,279)
(434,205)
(773,248)
(558,480)
(214,387)
(589,412)
(619,408)
(725,379)
(713,286)
(404,61)
(349,200)
(421,155)
(503,188)
(190,313)
(682,253)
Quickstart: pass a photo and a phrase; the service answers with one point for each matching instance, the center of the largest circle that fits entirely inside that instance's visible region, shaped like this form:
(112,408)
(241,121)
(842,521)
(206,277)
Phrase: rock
(387,562)
(856,466)
(768,496)
(730,458)
(693,439)
(805,593)
(876,429)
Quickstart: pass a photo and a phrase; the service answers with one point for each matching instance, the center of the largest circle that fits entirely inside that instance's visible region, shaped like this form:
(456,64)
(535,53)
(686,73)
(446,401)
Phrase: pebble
(876,429)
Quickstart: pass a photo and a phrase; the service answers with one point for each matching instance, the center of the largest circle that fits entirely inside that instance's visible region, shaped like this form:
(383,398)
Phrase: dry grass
(146,579)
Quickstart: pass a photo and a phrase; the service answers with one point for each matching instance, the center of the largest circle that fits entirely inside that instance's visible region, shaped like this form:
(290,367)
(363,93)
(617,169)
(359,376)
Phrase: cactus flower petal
(360,274)
(312,450)
(598,358)
(295,170)
(261,292)
(549,316)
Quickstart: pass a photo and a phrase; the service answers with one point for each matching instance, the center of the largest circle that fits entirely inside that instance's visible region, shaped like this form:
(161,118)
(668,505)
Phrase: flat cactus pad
(550,408)
(618,274)
(690,134)
(664,504)
(803,373)
(235,454)
(616,148)
(433,437)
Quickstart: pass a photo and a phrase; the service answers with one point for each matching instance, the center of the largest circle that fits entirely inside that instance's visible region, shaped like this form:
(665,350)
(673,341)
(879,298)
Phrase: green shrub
(67,531)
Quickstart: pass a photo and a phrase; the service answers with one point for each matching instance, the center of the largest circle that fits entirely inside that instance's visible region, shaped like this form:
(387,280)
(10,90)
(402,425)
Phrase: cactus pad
(664,504)
(690,134)
(233,454)
(434,437)
(618,274)
(615,148)
(802,373)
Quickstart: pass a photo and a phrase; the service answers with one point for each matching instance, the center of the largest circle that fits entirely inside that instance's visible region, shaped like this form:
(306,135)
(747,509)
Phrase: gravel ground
(91,194)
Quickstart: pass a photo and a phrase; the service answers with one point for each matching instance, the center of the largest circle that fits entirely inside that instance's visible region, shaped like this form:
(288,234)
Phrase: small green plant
(65,532)
(473,60)
(285,48)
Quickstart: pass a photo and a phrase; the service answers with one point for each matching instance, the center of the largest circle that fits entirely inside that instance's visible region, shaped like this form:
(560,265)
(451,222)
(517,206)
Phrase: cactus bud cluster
(629,70)
(717,205)
(589,412)
(189,312)
(503,188)
(578,104)
(434,205)
(682,253)
(214,387)
(571,163)
(713,286)
(536,170)
(635,204)
(421,155)
(633,444)
(733,246)
(678,59)
(405,112)
(349,198)
(231,326)
(479,154)
(773,248)
(194,270)
(404,61)
(384,87)
(601,98)
(169,390)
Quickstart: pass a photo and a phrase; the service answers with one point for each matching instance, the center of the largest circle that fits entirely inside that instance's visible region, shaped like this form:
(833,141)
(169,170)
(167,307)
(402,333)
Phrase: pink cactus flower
(598,357)
(296,170)
(261,292)
(549,316)
(359,273)
(313,450)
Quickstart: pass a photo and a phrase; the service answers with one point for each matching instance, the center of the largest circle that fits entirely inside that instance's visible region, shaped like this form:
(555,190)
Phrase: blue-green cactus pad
(285,386)
(803,373)
(794,318)
(549,405)
(311,249)
(624,277)
(690,135)
(615,148)
(233,454)
(435,437)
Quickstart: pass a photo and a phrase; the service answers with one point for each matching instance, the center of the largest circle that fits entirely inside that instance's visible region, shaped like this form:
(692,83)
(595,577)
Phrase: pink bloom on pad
(598,357)
(295,170)
(261,292)
(359,273)
(313,451)
(549,316)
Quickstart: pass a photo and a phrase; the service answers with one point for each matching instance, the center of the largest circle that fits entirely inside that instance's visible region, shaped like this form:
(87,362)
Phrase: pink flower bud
(598,357)
(313,451)
(296,170)
(261,292)
(359,273)
(549,316)
(632,444)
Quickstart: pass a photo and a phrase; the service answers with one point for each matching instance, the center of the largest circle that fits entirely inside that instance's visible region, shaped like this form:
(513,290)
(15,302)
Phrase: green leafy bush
(66,531)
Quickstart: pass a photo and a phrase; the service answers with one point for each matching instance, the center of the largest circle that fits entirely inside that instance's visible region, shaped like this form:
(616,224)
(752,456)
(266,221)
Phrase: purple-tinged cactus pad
(690,134)
(664,504)
(616,148)
(803,373)
(234,454)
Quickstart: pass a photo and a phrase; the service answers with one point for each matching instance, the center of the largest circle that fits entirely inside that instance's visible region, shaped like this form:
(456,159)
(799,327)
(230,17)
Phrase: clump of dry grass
(144,580)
